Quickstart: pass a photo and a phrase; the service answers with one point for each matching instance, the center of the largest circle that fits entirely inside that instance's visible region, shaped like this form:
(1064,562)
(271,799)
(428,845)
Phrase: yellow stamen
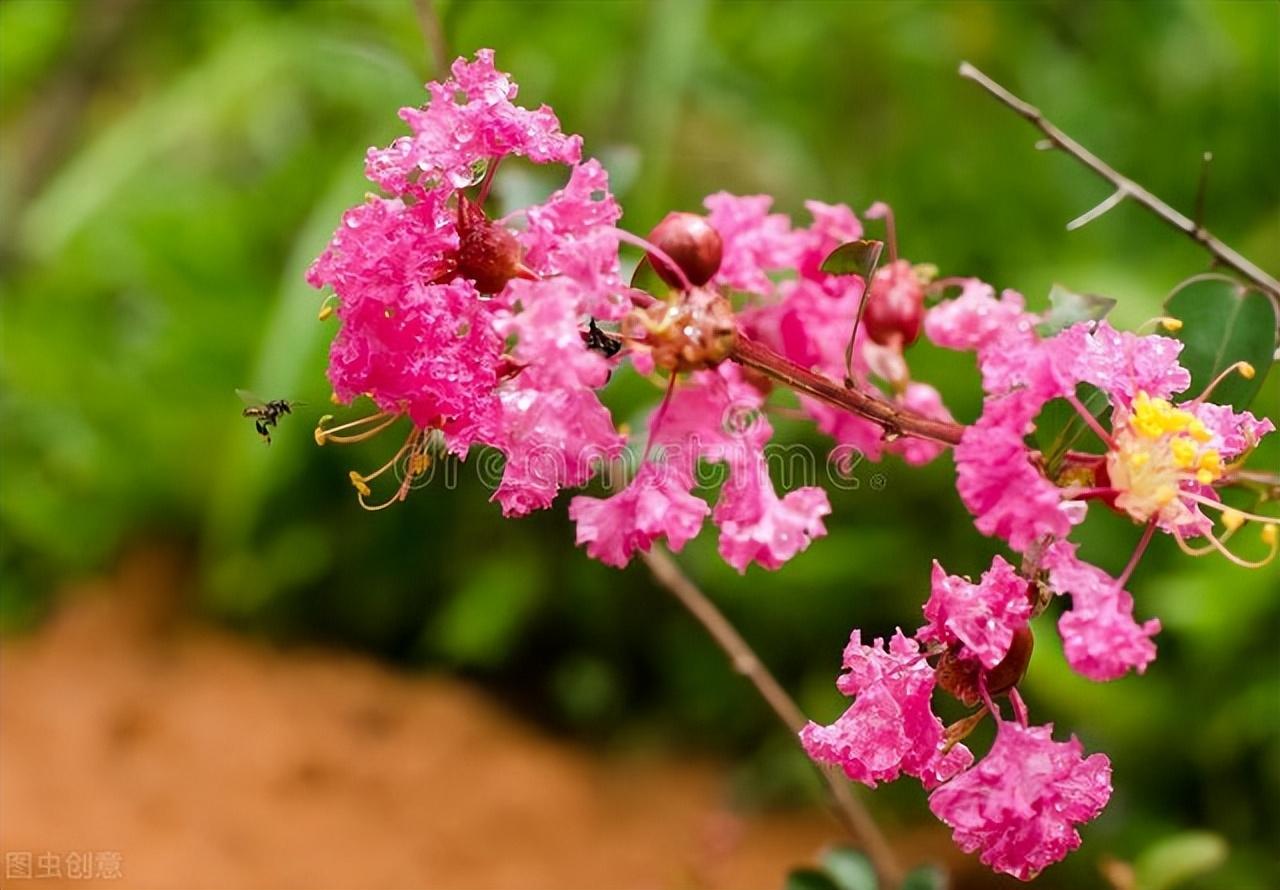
(1139,459)
(1184,452)
(1198,431)
(1171,324)
(1269,535)
(1246,370)
(1232,519)
(359,482)
(1165,495)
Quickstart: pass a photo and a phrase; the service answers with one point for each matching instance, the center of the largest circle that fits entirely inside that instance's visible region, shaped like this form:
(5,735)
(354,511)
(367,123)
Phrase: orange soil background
(211,761)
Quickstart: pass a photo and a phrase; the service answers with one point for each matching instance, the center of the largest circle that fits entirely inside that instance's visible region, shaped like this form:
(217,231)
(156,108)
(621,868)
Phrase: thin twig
(851,811)
(1127,188)
(433,34)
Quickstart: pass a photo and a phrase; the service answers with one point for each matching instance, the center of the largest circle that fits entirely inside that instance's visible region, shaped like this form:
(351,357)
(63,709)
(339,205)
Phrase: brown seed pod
(692,243)
(697,332)
(959,676)
(487,254)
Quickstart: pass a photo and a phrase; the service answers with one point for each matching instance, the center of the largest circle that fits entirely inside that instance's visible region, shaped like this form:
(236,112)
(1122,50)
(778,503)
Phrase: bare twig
(1125,187)
(896,421)
(852,813)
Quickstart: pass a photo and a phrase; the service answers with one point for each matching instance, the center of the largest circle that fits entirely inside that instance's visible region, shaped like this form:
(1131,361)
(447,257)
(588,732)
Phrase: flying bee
(265,414)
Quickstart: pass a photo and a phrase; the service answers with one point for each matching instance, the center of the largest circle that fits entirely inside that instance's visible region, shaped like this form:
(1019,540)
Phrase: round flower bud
(692,243)
(894,312)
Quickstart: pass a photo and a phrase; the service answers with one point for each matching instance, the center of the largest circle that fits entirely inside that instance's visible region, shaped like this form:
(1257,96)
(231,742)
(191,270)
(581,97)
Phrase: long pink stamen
(1226,372)
(1090,420)
(1137,554)
(487,182)
(1218,505)
(655,250)
(1019,706)
(659,416)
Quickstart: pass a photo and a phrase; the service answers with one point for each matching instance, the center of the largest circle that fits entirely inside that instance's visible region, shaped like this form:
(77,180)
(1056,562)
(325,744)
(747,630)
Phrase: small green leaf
(809,879)
(645,278)
(1223,322)
(854,258)
(850,869)
(1060,428)
(1179,858)
(1068,307)
(927,877)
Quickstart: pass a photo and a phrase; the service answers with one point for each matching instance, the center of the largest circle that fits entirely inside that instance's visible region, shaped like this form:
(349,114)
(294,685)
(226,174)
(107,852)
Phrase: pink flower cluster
(1020,804)
(483,332)
(1160,465)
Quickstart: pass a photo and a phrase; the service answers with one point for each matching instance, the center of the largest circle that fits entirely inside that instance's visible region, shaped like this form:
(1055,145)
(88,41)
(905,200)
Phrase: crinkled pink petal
(1122,364)
(758,526)
(1006,493)
(755,241)
(470,118)
(1020,805)
(553,438)
(571,234)
(976,319)
(657,503)
(981,617)
(1100,638)
(549,337)
(433,356)
(890,728)
(1233,433)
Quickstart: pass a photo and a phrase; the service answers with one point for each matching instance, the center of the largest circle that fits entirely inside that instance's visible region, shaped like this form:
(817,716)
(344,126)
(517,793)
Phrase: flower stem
(851,811)
(896,421)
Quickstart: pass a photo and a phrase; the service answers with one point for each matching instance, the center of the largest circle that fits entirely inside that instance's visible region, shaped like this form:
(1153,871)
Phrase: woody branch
(1125,188)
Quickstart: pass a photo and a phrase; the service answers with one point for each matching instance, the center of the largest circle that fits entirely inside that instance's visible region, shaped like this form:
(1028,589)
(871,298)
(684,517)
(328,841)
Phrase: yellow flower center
(1158,448)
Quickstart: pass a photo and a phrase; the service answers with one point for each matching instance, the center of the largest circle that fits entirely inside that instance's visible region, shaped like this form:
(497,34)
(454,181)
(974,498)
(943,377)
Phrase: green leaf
(1060,428)
(1067,307)
(1179,858)
(850,869)
(928,877)
(854,258)
(1223,322)
(809,879)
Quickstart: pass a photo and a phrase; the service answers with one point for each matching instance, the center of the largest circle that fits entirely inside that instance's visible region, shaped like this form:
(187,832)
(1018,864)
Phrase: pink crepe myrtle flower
(890,728)
(715,416)
(470,119)
(1019,806)
(807,314)
(508,367)
(982,617)
(657,503)
(758,526)
(1162,459)
(1100,638)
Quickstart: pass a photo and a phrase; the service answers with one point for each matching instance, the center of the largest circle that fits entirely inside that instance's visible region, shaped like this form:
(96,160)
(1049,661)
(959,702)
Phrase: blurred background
(216,664)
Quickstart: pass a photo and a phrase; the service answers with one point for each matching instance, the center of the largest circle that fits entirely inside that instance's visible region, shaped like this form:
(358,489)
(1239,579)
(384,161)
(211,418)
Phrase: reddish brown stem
(895,420)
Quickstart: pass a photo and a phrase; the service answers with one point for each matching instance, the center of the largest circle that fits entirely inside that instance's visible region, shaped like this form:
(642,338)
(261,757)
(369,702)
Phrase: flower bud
(894,312)
(487,254)
(692,243)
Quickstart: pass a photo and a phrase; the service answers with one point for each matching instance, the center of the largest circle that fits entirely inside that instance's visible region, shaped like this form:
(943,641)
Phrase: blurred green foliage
(168,170)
